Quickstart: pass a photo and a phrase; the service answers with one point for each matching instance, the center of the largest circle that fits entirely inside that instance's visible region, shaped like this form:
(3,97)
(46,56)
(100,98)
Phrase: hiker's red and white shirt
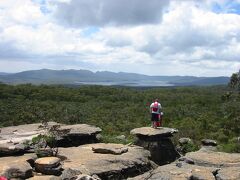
(156,107)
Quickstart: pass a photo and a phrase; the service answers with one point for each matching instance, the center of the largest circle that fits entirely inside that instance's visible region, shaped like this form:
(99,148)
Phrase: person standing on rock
(155,110)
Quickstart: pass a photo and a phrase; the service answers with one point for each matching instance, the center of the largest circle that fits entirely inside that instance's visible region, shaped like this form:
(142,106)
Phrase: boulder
(159,144)
(17,167)
(107,166)
(48,165)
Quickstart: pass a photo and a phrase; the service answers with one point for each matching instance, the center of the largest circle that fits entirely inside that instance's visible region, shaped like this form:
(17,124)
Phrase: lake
(127,83)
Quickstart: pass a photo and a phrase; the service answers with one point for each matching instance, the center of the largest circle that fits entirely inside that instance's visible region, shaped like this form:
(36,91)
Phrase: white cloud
(190,39)
(80,13)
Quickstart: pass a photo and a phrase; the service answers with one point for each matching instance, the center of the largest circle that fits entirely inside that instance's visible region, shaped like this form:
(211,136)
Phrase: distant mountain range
(47,76)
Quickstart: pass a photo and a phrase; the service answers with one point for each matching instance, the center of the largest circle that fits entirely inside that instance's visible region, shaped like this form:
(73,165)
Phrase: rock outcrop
(176,171)
(84,160)
(158,142)
(111,161)
(13,139)
(198,165)
(214,159)
(78,134)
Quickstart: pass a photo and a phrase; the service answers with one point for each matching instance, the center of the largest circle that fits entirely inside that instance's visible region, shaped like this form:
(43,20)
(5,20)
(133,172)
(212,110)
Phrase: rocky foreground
(80,156)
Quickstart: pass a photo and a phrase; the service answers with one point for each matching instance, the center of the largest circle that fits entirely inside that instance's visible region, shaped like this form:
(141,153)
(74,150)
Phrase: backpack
(155,107)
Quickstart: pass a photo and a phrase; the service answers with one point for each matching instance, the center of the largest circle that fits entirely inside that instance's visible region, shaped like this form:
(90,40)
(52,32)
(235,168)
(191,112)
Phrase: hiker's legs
(154,120)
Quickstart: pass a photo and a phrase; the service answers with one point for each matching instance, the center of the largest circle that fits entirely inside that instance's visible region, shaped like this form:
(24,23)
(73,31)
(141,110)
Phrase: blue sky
(231,6)
(167,37)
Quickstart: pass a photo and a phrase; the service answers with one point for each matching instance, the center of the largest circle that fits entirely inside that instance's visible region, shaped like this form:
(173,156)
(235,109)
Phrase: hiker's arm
(150,109)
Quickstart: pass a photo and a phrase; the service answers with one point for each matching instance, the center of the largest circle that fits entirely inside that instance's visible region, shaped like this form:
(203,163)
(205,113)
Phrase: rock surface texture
(84,160)
(12,138)
(203,165)
(17,167)
(158,142)
(111,161)
(48,165)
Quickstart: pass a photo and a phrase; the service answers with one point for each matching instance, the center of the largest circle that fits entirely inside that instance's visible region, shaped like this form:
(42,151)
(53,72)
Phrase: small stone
(121,137)
(209,142)
(183,141)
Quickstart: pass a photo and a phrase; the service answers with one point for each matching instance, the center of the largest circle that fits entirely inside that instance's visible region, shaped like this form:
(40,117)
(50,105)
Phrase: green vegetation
(198,112)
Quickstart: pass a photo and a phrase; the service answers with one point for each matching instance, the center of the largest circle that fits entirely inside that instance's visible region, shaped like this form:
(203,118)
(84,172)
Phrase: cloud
(78,13)
(163,37)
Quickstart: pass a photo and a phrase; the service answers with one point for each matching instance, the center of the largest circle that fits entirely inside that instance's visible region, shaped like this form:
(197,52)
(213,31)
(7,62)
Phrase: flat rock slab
(17,166)
(48,165)
(215,159)
(12,138)
(232,173)
(176,171)
(80,129)
(152,132)
(48,161)
(106,166)
(45,178)
(110,149)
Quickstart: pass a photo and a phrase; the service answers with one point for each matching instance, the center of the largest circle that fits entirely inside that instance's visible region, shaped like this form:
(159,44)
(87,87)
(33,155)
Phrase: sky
(154,37)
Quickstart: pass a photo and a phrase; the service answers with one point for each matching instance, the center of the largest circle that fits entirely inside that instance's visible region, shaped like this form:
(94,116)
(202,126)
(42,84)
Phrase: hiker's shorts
(155,117)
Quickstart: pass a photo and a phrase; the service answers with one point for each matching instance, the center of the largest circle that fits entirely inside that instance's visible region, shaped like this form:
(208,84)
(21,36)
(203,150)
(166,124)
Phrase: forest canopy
(197,112)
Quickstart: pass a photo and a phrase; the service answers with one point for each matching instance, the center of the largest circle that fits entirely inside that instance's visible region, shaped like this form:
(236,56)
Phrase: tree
(235,81)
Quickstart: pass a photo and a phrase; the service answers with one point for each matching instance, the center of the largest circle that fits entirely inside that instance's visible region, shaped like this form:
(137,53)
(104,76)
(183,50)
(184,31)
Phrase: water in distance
(126,83)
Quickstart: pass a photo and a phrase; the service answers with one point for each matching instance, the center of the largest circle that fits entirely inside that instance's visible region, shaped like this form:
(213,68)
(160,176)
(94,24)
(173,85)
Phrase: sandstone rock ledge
(158,142)
(214,159)
(106,166)
(204,165)
(149,133)
(12,138)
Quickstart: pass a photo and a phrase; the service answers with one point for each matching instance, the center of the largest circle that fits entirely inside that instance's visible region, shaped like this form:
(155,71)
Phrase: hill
(47,76)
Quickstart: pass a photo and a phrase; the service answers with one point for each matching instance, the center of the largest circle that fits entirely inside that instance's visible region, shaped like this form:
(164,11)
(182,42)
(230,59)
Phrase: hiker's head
(156,100)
